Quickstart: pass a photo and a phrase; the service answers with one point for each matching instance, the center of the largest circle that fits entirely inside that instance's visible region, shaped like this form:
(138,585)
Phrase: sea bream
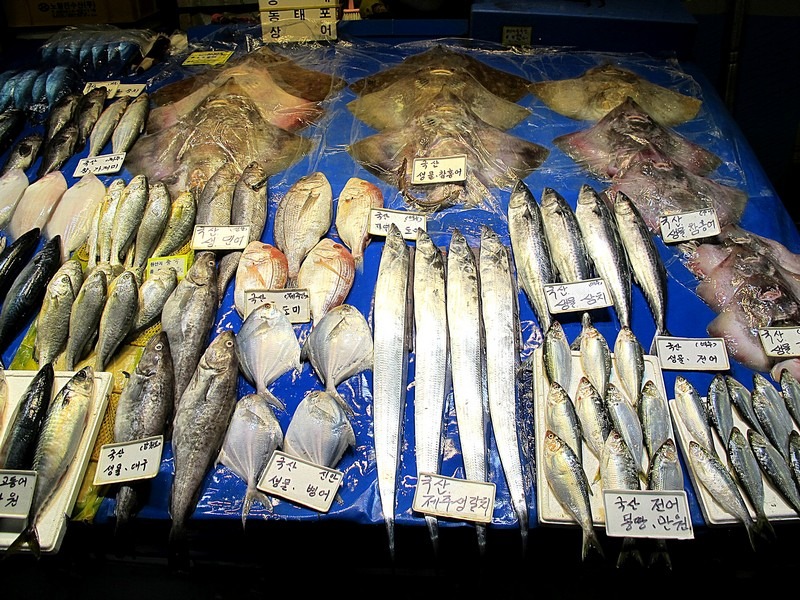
(353,208)
(261,267)
(327,272)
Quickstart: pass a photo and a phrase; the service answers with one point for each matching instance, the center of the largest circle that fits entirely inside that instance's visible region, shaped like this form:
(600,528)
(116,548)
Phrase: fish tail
(433,529)
(390,534)
(629,551)
(178,558)
(765,528)
(341,401)
(523,532)
(480,529)
(28,536)
(272,399)
(660,332)
(660,555)
(252,495)
(590,540)
(359,261)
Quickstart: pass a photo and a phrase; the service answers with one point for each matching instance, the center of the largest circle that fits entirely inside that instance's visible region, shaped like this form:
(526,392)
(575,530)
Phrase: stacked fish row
(437,104)
(595,430)
(33,92)
(743,448)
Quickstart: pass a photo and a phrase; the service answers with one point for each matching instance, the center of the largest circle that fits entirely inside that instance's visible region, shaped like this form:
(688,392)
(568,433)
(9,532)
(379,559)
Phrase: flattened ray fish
(446,127)
(396,103)
(497,81)
(592,95)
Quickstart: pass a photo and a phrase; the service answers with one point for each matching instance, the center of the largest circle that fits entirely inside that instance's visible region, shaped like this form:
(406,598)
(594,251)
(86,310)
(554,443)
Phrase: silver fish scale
(564,238)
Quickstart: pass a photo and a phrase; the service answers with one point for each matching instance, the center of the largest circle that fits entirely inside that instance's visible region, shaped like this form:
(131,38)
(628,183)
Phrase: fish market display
(252,436)
(35,91)
(71,218)
(37,204)
(261,267)
(564,238)
(116,320)
(357,198)
(319,430)
(52,324)
(600,89)
(24,153)
(327,272)
(153,294)
(15,256)
(557,355)
(84,318)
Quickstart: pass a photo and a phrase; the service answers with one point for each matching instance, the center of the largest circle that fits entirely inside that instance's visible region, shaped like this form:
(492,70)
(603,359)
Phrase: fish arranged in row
(35,91)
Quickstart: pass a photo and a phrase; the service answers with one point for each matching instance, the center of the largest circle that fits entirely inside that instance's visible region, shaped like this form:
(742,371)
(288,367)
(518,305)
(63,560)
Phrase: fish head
(552,443)
(83,381)
(155,350)
(219,354)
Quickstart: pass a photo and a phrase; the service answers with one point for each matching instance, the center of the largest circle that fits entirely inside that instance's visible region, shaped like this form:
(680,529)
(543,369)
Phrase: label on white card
(129,461)
(16,493)
(381,219)
(224,237)
(295,303)
(130,89)
(455,498)
(780,341)
(577,296)
(111,87)
(692,354)
(692,225)
(648,514)
(446,169)
(179,262)
(300,481)
(100,165)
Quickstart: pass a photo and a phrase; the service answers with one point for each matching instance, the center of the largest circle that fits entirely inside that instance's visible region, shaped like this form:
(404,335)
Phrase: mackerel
(564,238)
(432,368)
(391,319)
(500,318)
(605,250)
(25,423)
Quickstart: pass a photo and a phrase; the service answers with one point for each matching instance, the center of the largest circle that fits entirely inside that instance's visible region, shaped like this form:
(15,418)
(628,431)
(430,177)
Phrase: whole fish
(56,448)
(626,422)
(595,355)
(390,325)
(567,480)
(37,204)
(24,298)
(14,257)
(467,360)
(790,389)
(593,415)
(24,153)
(564,238)
(319,430)
(88,112)
(794,455)
(715,477)
(153,294)
(720,408)
(562,418)
(653,412)
(693,413)
(71,218)
(742,400)
(432,367)
(61,113)
(557,355)
(12,121)
(629,364)
(664,473)
(327,272)
(747,472)
(775,468)
(253,434)
(302,218)
(267,347)
(187,317)
(153,222)
(108,212)
(106,124)
(143,410)
(116,319)
(85,313)
(58,150)
(25,423)
(179,227)
(52,324)
(202,415)
(605,249)
(353,207)
(216,198)
(530,250)
(13,184)
(127,217)
(248,207)
(770,410)
(261,267)
(338,347)
(131,124)
(500,320)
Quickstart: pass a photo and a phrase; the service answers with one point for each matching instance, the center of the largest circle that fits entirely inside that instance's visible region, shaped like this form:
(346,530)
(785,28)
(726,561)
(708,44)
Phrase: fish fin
(251,496)
(590,540)
(660,555)
(628,552)
(28,536)
(272,399)
(765,527)
(659,333)
(390,534)
(433,530)
(480,529)
(341,401)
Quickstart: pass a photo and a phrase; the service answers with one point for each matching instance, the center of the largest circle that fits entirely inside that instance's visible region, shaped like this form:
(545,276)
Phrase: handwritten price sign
(381,219)
(447,169)
(577,296)
(100,165)
(213,237)
(16,493)
(648,514)
(689,225)
(129,461)
(300,481)
(295,303)
(780,341)
(692,354)
(456,498)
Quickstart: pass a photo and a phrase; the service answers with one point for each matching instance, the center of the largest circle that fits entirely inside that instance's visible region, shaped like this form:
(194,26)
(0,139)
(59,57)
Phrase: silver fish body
(216,199)
(653,412)
(131,124)
(562,419)
(720,408)
(790,389)
(693,413)
(25,423)
(618,469)
(180,225)
(52,324)
(626,421)
(771,412)
(741,398)
(88,112)
(747,471)
(117,317)
(665,471)
(557,355)
(153,222)
(128,216)
(319,430)
(774,466)
(85,313)
(564,238)
(593,414)
(105,227)
(106,123)
(629,364)
(153,294)
(595,355)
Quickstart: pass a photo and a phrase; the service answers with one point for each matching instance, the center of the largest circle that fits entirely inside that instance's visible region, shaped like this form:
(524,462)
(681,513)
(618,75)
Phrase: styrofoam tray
(548,507)
(52,523)
(775,507)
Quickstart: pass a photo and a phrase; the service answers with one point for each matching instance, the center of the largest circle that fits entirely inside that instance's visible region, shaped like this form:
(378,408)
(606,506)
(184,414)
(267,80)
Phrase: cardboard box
(46,13)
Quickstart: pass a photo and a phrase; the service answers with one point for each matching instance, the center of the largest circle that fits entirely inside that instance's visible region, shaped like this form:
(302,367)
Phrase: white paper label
(648,514)
(456,498)
(577,296)
(129,461)
(780,341)
(226,237)
(447,169)
(179,262)
(295,303)
(689,225)
(212,57)
(299,24)
(130,89)
(516,36)
(692,354)
(381,219)
(111,87)
(100,165)
(16,493)
(300,481)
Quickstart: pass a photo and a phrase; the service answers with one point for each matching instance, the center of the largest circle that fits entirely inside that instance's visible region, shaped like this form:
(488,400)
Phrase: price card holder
(111,87)
(648,514)
(16,493)
(455,498)
(692,354)
(212,57)
(693,225)
(129,461)
(780,342)
(100,165)
(179,262)
(226,237)
(577,296)
(447,169)
(381,219)
(295,303)
(300,481)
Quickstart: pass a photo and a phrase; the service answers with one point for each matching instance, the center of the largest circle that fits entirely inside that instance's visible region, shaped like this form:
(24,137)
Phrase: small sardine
(562,419)
(595,420)
(693,413)
(629,364)
(747,472)
(775,468)
(654,416)
(665,472)
(595,355)
(720,408)
(557,355)
(742,400)
(626,422)
(770,410)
